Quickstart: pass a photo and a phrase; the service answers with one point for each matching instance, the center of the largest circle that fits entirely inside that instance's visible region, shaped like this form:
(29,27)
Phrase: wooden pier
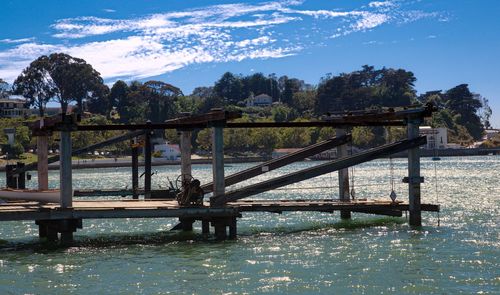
(53,219)
(60,221)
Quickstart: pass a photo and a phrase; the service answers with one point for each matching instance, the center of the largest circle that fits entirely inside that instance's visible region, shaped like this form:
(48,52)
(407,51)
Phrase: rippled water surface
(290,253)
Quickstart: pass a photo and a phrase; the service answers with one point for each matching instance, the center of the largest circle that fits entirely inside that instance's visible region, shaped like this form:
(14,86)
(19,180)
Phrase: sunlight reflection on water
(296,252)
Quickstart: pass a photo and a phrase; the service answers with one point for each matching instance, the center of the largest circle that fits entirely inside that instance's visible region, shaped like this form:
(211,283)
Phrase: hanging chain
(391,165)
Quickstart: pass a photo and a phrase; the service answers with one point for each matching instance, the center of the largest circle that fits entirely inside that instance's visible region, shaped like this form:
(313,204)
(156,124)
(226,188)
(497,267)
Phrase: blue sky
(192,43)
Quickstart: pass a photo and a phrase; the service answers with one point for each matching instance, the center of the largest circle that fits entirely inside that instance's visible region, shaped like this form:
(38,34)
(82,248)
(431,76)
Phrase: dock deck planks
(168,208)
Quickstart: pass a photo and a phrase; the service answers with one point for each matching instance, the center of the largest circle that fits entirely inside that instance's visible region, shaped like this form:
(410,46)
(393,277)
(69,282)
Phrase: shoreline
(109,163)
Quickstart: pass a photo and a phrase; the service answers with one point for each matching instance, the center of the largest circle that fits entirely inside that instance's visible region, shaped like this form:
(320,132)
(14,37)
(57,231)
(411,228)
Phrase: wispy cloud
(155,44)
(15,41)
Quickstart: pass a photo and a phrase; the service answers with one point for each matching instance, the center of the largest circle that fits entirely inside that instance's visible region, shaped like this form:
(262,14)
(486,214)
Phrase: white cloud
(155,44)
(381,4)
(14,41)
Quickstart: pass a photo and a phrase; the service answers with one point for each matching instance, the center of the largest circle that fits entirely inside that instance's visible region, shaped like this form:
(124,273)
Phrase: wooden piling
(220,229)
(186,224)
(205,227)
(147,165)
(218,160)
(185,146)
(343,175)
(42,149)
(65,172)
(414,178)
(135,169)
(232,228)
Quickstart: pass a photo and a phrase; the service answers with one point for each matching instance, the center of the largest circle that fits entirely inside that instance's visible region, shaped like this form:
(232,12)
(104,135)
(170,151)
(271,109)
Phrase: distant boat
(46,196)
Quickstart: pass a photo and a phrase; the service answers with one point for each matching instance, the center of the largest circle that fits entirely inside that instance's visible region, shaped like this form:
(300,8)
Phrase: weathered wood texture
(343,175)
(90,148)
(11,211)
(42,150)
(218,160)
(65,173)
(414,179)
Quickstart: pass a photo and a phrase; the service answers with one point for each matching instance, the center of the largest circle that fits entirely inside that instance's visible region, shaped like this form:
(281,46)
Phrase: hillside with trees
(71,81)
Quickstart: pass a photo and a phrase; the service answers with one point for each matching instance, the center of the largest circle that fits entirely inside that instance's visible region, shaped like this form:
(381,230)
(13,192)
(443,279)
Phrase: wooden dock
(60,221)
(97,209)
(52,219)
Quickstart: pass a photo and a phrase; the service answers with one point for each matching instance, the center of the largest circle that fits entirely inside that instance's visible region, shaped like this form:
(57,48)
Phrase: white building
(261,100)
(13,107)
(168,151)
(437,138)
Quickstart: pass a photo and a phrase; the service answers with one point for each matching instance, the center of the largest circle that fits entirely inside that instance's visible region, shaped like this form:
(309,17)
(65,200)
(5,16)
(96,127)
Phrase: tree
(229,88)
(4,89)
(304,101)
(161,98)
(362,136)
(36,84)
(485,112)
(365,89)
(462,102)
(75,79)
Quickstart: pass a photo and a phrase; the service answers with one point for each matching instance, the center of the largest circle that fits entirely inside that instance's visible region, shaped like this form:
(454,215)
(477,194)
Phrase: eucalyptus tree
(76,80)
(161,97)
(36,84)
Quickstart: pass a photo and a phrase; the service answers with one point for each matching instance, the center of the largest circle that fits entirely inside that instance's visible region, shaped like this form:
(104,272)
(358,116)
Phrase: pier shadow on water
(112,240)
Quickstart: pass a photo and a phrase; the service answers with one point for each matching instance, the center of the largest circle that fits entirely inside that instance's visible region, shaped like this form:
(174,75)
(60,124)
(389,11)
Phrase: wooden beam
(42,150)
(364,118)
(185,146)
(83,150)
(312,172)
(135,170)
(65,173)
(281,161)
(147,165)
(414,178)
(218,160)
(343,176)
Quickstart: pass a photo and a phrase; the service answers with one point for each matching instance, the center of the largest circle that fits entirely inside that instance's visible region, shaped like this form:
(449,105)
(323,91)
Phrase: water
(292,253)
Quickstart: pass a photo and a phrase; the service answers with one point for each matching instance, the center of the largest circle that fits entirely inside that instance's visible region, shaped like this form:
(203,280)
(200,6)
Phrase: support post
(135,169)
(343,175)
(232,228)
(21,177)
(186,224)
(42,149)
(11,178)
(147,165)
(414,175)
(205,227)
(220,229)
(65,179)
(218,159)
(185,146)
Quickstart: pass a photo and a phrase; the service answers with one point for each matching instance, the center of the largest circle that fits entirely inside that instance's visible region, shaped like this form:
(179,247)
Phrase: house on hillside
(261,100)
(437,138)
(13,107)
